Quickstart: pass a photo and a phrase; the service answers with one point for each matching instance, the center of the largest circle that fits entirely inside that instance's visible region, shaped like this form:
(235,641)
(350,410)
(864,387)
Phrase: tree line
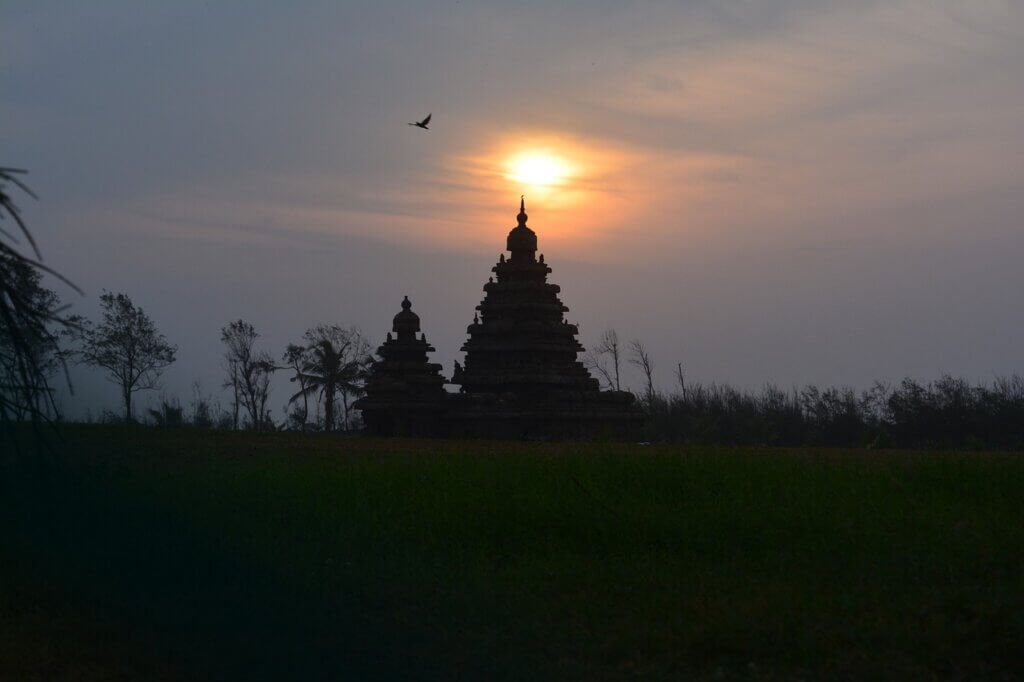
(328,366)
(328,369)
(947,413)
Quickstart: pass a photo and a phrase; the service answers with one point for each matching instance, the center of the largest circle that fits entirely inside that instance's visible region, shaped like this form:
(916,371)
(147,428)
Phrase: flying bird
(424,122)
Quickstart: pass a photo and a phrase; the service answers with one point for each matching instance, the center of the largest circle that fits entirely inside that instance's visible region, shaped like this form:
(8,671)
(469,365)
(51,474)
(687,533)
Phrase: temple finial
(522,210)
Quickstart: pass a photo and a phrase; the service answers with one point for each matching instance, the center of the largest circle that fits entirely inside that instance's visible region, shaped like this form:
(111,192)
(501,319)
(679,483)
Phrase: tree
(128,346)
(608,347)
(333,365)
(249,371)
(29,350)
(642,359)
(29,353)
(295,356)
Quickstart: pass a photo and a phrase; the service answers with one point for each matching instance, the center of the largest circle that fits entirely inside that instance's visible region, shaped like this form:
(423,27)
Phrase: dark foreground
(148,554)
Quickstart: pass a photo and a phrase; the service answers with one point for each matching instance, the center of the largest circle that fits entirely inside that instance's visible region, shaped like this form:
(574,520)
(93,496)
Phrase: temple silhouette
(521,377)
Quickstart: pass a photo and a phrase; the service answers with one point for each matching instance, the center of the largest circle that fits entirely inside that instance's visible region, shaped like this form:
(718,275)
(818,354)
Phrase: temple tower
(405,393)
(520,344)
(521,376)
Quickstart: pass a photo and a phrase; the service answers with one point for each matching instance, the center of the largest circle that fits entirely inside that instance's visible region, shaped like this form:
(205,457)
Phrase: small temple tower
(521,377)
(405,393)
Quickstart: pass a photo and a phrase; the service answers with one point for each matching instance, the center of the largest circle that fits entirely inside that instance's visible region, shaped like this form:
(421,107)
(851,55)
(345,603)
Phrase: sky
(780,192)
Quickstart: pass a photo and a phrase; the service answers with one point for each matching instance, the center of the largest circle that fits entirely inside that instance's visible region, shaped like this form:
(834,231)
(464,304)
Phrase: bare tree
(128,346)
(249,371)
(234,382)
(642,359)
(606,350)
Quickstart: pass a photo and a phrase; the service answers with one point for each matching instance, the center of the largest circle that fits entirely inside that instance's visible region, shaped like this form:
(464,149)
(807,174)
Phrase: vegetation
(947,413)
(150,554)
(248,374)
(31,321)
(331,364)
(127,345)
(605,360)
(30,353)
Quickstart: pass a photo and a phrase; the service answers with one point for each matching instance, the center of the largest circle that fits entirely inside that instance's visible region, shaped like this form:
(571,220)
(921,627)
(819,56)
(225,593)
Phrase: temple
(521,377)
(405,393)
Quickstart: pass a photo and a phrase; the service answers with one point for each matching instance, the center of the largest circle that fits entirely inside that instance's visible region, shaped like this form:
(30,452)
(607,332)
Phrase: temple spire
(522,241)
(406,323)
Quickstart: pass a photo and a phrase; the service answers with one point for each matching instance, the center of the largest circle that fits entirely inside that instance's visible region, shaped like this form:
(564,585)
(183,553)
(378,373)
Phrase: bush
(947,413)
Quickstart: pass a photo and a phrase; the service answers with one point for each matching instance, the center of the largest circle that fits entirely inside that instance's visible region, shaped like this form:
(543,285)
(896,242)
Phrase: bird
(423,123)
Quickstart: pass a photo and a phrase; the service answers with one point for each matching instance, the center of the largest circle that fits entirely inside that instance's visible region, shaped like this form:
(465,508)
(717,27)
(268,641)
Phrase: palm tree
(31,320)
(333,364)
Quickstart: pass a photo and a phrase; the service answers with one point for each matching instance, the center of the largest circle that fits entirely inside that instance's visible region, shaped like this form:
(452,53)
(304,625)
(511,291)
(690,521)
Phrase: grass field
(149,554)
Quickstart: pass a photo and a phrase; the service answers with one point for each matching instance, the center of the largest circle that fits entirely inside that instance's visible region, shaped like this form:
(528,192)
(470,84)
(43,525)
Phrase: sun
(538,169)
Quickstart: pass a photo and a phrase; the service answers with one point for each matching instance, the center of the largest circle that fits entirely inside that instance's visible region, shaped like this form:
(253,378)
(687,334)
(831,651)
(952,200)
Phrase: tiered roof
(520,342)
(404,392)
(521,377)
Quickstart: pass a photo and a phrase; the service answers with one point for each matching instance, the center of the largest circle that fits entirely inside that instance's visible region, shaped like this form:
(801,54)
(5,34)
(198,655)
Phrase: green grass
(138,553)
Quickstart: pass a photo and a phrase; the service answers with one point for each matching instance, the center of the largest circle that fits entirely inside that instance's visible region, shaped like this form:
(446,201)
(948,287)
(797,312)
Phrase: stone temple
(405,392)
(520,378)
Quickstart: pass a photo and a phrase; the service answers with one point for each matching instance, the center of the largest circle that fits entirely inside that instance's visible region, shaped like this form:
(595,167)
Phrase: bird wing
(427,119)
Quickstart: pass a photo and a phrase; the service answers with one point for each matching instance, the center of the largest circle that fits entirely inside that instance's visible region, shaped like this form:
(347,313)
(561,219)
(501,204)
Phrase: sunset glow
(538,169)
